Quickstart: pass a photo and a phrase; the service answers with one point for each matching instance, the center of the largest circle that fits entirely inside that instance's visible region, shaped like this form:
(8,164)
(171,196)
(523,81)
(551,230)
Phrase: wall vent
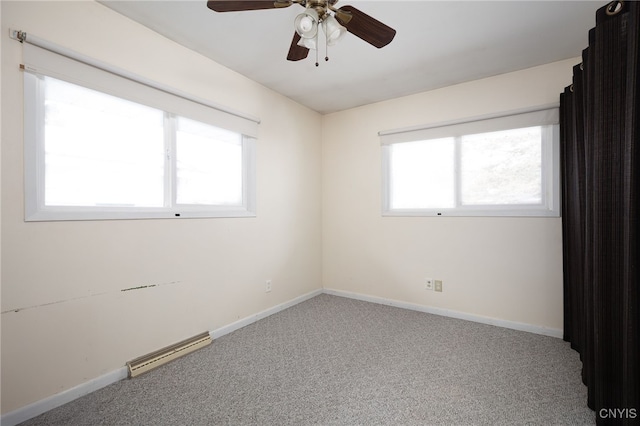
(162,356)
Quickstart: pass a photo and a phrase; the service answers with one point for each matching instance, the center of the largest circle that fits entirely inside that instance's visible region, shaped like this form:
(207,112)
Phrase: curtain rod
(23,37)
(468,120)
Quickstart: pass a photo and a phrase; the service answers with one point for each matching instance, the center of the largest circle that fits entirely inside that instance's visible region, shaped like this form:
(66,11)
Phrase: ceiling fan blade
(296,52)
(367,28)
(241,5)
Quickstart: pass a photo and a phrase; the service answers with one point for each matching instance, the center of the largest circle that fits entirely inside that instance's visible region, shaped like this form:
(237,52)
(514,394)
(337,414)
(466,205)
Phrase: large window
(471,172)
(90,154)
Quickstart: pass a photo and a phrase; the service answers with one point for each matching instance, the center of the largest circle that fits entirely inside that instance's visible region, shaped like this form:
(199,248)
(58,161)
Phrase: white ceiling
(438,43)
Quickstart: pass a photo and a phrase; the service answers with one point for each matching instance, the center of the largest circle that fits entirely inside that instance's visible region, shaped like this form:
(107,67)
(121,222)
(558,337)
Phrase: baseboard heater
(162,356)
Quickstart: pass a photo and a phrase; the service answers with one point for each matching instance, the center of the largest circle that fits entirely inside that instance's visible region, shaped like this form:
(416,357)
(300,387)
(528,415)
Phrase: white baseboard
(35,409)
(260,315)
(39,407)
(545,331)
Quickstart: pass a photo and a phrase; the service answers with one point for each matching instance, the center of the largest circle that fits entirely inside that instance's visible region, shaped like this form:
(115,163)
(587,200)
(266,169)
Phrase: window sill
(74,214)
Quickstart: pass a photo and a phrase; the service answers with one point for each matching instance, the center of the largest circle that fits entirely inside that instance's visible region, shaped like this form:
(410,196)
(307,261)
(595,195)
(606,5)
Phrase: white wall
(65,319)
(503,268)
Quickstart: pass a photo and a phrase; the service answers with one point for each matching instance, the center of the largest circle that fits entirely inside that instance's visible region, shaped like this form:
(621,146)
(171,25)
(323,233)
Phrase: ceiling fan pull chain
(317,64)
(326,47)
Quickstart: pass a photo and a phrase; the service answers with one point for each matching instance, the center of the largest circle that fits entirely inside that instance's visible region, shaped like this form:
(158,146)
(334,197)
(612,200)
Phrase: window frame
(550,166)
(62,68)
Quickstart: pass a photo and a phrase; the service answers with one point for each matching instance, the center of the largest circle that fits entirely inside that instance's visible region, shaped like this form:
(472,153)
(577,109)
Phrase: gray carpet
(337,361)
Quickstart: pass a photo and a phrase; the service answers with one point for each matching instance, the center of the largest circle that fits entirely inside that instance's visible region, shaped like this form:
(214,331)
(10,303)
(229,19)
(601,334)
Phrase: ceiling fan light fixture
(309,43)
(333,30)
(307,24)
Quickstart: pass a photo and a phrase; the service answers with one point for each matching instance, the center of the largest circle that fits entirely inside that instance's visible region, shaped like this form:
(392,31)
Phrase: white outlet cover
(429,284)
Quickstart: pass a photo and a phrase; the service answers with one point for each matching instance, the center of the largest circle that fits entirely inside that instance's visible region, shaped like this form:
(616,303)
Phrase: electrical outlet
(438,285)
(267,286)
(428,284)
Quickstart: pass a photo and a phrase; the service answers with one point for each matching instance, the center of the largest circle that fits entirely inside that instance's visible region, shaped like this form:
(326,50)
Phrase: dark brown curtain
(600,132)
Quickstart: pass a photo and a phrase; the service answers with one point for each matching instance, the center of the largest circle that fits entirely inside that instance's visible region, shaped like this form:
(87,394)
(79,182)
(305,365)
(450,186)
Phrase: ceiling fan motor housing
(320,6)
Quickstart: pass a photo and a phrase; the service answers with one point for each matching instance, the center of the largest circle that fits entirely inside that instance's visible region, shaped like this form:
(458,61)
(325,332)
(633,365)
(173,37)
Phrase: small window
(92,155)
(509,172)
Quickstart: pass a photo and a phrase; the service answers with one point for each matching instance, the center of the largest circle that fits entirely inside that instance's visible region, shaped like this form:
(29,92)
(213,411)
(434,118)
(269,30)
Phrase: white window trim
(546,115)
(46,62)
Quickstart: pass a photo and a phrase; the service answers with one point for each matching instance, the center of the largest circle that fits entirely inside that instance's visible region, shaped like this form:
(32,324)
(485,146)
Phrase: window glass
(209,164)
(502,167)
(422,174)
(100,150)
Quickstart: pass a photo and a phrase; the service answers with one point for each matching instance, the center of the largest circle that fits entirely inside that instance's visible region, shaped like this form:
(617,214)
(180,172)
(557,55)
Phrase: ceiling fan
(334,22)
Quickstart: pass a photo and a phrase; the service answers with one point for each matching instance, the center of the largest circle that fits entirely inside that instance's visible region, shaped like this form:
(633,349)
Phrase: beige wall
(65,279)
(503,268)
